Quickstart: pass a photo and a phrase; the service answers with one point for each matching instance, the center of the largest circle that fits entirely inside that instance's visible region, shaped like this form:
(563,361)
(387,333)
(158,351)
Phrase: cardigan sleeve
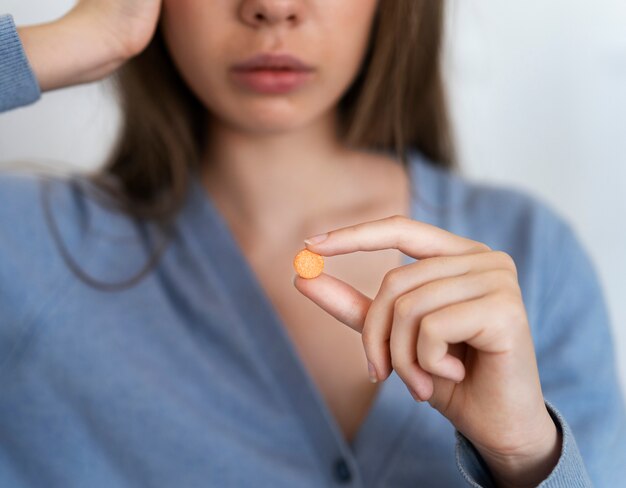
(18,84)
(578,373)
(569,472)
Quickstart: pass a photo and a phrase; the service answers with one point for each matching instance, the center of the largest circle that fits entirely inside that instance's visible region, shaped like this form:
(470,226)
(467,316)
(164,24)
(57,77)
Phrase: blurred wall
(538,98)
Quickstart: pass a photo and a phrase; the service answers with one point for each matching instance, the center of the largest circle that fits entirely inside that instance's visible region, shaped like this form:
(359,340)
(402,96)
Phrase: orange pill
(308,264)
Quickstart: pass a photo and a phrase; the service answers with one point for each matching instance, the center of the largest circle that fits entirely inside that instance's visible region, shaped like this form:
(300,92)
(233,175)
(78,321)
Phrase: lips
(272,74)
(268,61)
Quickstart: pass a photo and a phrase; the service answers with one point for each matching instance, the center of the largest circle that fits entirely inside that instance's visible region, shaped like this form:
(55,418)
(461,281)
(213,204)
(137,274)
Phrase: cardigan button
(341,471)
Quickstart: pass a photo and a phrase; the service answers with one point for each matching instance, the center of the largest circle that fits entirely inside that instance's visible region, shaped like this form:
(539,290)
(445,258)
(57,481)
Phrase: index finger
(412,237)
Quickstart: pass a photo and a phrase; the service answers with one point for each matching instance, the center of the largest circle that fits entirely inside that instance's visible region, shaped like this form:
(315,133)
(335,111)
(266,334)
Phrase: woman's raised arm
(88,43)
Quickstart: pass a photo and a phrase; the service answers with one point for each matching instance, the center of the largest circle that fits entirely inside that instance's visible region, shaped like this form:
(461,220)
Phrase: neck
(273,180)
(280,188)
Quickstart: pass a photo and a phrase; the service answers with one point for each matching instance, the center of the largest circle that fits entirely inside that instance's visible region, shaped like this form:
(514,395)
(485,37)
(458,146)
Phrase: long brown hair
(396,102)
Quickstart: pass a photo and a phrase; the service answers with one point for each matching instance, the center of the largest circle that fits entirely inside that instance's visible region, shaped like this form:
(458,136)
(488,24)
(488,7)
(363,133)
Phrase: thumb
(338,298)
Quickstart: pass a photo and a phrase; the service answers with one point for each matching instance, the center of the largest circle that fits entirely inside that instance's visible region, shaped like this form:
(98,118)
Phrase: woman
(249,125)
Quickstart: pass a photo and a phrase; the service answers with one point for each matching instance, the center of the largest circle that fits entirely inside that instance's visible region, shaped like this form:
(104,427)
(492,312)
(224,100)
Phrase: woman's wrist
(69,51)
(529,465)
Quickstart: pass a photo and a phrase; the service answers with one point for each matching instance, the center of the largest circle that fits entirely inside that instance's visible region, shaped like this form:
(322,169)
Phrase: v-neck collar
(392,408)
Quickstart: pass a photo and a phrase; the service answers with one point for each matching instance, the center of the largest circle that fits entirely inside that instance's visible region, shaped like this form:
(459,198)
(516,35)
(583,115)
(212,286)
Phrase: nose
(260,13)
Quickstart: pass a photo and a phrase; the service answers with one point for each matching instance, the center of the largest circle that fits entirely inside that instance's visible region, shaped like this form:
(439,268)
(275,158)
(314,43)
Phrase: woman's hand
(129,24)
(89,42)
(454,327)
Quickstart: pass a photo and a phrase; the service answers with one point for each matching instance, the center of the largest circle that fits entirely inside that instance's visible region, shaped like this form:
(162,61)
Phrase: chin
(268,117)
(263,127)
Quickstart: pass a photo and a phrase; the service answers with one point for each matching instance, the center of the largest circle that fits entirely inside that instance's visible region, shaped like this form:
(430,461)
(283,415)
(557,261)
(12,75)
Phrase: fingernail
(372,372)
(316,239)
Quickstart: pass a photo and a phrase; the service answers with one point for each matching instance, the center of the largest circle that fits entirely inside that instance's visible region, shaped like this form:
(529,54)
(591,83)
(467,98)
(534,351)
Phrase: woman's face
(207,38)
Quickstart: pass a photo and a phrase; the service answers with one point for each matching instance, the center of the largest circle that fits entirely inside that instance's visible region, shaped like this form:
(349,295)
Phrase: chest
(331,352)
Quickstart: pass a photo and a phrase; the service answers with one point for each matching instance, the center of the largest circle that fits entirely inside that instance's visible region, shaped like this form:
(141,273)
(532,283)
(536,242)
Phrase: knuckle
(367,337)
(511,279)
(478,246)
(505,260)
(428,327)
(512,309)
(402,308)
(400,223)
(504,278)
(392,281)
(432,266)
(398,365)
(506,335)
(512,296)
(425,361)
(427,335)
(517,315)
(398,219)
(402,364)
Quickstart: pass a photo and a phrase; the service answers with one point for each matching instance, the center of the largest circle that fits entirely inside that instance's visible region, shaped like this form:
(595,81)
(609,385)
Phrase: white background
(538,98)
